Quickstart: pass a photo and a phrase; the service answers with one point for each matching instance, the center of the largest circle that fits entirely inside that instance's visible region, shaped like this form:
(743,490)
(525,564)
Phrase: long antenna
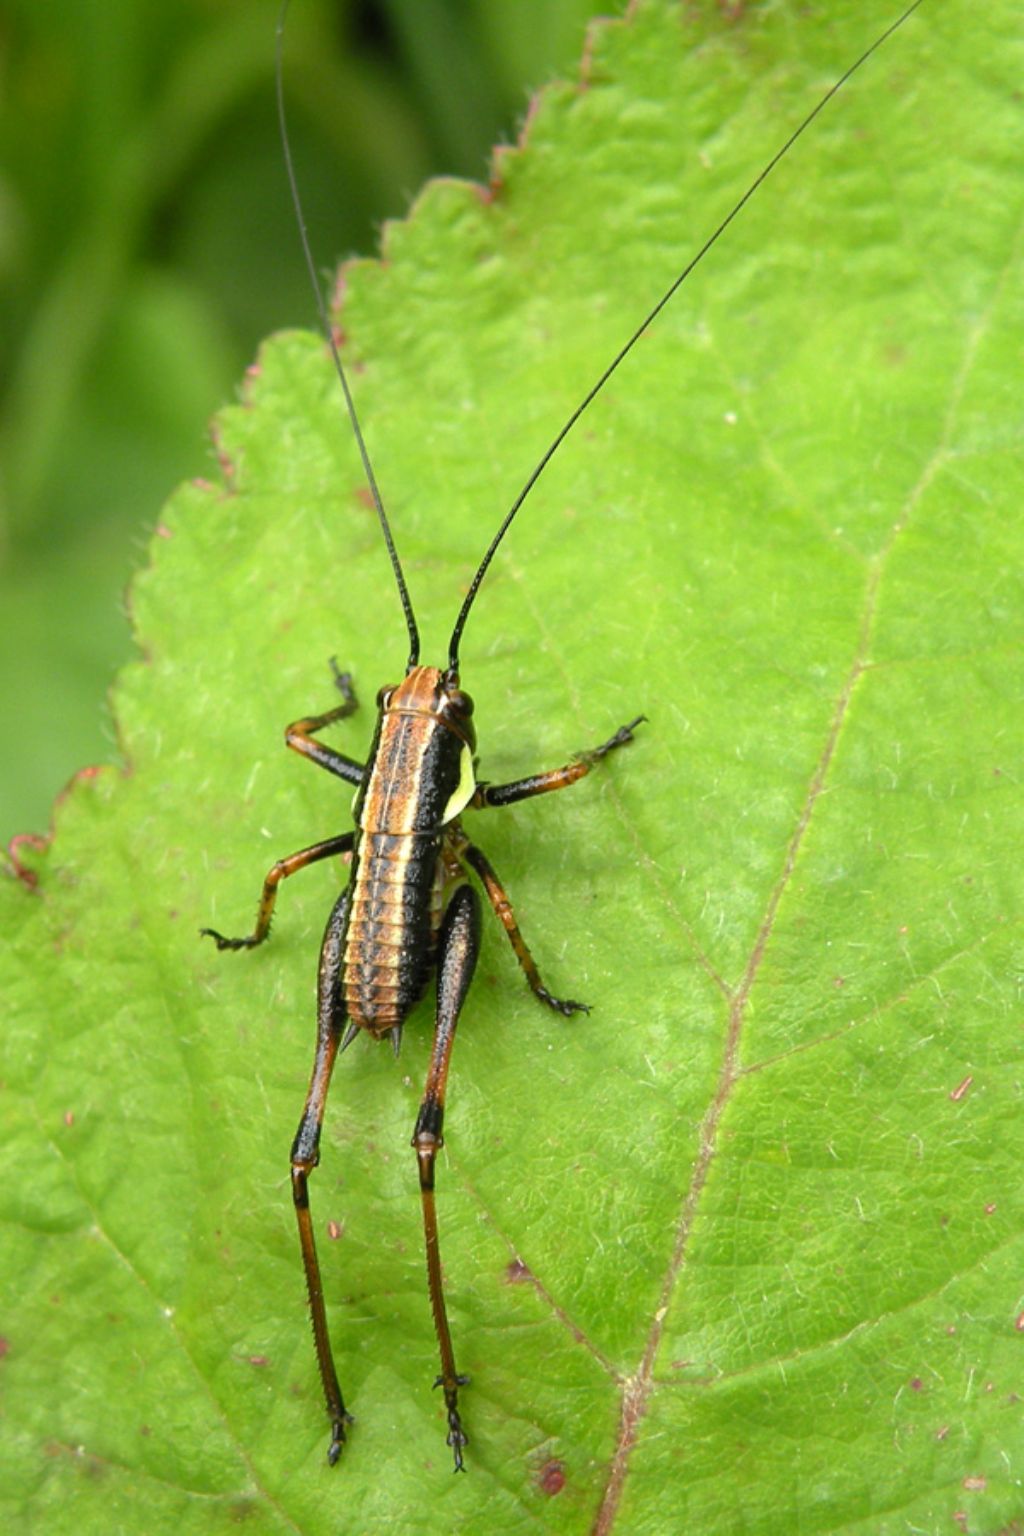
(623,353)
(325,326)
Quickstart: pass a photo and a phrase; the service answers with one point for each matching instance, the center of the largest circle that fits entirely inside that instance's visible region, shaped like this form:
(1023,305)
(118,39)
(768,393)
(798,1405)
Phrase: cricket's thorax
(420,778)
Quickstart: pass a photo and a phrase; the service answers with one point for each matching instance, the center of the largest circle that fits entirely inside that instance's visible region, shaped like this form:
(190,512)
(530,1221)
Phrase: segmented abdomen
(392,926)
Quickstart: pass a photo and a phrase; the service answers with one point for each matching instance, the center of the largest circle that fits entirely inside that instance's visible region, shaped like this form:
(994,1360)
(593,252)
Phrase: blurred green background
(147,244)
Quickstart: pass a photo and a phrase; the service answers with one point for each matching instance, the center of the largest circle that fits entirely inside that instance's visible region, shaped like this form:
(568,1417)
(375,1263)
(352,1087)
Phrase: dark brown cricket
(406,911)
(409,909)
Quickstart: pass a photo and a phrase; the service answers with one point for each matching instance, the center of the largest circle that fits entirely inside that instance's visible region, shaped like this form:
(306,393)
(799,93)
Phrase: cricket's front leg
(492,795)
(299,735)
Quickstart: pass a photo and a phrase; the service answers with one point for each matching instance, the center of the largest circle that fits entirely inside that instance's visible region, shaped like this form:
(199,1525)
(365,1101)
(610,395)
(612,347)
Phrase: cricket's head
(429,691)
(427,744)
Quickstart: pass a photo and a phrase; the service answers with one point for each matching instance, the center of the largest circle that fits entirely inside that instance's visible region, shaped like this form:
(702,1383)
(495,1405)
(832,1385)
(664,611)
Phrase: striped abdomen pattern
(397,882)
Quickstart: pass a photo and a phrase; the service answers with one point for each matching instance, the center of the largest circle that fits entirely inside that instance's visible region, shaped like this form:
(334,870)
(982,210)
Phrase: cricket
(411,910)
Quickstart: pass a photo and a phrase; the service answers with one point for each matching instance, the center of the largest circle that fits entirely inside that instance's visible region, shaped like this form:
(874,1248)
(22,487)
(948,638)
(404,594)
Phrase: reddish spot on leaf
(551,1478)
(961,1090)
(163,532)
(259,1360)
(69,1117)
(940,1434)
(5,1346)
(916,1384)
(990,1208)
(517,1273)
(1018,1322)
(27,876)
(334,1230)
(975,1484)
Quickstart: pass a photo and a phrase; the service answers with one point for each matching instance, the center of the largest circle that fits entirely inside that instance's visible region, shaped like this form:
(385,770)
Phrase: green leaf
(742,1250)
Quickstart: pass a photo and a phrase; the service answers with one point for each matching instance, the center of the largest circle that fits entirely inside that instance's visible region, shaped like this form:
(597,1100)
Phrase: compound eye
(384,697)
(461,703)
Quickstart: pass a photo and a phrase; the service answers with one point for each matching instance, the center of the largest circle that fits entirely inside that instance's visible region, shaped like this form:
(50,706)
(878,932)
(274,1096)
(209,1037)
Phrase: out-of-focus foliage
(146,243)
